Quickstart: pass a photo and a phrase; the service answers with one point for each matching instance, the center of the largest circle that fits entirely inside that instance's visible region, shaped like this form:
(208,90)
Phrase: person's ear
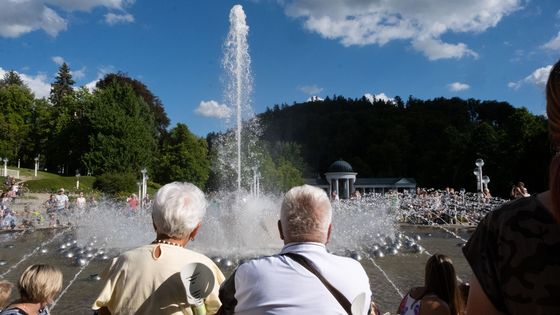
(329,233)
(280,230)
(194,232)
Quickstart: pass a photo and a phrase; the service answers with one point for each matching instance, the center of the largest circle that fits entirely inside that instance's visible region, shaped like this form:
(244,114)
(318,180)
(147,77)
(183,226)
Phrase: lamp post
(5,166)
(139,189)
(485,181)
(36,165)
(77,179)
(478,172)
(144,171)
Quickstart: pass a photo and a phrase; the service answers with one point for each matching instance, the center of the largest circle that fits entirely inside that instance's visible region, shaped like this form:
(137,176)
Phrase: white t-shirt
(61,201)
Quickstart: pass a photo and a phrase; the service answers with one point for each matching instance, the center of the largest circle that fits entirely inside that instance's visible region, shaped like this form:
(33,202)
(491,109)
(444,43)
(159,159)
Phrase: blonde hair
(5,292)
(40,283)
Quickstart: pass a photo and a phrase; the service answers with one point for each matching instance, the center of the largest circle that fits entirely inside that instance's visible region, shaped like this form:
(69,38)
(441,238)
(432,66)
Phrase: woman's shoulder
(433,305)
(13,311)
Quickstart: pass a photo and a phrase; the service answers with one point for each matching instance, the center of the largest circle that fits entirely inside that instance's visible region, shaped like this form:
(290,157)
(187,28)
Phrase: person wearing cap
(61,204)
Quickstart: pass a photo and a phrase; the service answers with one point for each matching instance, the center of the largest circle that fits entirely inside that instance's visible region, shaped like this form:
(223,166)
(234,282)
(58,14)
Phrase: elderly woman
(146,280)
(38,285)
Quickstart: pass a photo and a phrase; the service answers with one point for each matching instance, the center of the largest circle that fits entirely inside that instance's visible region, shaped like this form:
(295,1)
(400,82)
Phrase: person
(61,205)
(38,285)
(133,203)
(81,202)
(5,292)
(523,190)
(279,284)
(514,251)
(440,294)
(50,204)
(334,196)
(146,280)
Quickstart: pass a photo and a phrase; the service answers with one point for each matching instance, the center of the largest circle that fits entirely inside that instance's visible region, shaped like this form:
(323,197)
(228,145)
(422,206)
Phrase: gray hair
(178,208)
(305,210)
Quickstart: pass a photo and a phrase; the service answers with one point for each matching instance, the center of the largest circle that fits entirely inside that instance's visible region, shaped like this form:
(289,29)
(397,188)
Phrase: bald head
(305,215)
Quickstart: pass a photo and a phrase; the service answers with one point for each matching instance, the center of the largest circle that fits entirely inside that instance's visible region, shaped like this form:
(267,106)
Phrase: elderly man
(281,284)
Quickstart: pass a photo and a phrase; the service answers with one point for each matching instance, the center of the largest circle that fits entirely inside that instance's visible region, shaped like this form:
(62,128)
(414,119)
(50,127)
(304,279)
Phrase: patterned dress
(515,255)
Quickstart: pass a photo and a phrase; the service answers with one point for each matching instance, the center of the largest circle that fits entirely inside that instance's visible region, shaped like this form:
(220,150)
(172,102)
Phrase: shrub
(115,184)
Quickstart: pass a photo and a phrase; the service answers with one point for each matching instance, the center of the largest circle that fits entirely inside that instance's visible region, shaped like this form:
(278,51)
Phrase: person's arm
(227,296)
(431,305)
(478,302)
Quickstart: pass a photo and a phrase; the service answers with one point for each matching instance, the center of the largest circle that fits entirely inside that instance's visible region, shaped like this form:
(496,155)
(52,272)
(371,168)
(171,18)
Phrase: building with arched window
(341,179)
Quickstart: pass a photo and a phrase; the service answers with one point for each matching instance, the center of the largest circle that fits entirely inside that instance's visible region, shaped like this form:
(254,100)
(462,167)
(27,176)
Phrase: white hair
(305,210)
(178,208)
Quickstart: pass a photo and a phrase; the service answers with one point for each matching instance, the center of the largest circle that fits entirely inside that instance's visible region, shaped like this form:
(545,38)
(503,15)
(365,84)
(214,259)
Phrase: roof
(340,166)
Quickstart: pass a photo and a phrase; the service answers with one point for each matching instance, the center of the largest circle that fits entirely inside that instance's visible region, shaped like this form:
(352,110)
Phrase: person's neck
(172,240)
(28,307)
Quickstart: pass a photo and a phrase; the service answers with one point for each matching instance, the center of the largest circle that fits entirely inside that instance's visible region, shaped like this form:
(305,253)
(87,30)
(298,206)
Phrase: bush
(115,184)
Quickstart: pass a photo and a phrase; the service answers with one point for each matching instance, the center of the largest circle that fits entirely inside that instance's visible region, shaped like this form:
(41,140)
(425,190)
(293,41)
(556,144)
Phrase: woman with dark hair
(440,294)
(514,251)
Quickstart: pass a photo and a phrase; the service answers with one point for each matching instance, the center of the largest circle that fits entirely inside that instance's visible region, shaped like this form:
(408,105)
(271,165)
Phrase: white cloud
(311,89)
(103,70)
(423,23)
(379,97)
(87,5)
(18,17)
(79,74)
(458,87)
(58,60)
(553,44)
(213,109)
(539,77)
(38,84)
(112,18)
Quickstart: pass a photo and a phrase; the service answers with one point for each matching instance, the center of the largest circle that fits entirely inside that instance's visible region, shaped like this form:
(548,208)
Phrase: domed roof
(340,166)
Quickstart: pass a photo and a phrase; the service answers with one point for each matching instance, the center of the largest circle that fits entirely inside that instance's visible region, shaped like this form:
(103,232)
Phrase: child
(38,285)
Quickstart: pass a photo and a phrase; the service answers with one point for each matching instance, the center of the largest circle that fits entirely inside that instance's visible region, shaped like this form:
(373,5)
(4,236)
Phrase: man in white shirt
(280,285)
(61,205)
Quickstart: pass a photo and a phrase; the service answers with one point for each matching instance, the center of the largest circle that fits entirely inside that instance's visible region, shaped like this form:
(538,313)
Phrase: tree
(62,85)
(183,157)
(11,78)
(155,105)
(16,104)
(120,136)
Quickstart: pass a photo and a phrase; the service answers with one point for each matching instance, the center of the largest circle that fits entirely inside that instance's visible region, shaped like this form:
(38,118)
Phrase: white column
(336,187)
(347,188)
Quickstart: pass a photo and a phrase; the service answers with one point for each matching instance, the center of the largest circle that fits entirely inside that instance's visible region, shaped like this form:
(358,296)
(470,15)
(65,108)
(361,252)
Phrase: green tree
(155,105)
(16,104)
(183,157)
(62,86)
(120,134)
(11,78)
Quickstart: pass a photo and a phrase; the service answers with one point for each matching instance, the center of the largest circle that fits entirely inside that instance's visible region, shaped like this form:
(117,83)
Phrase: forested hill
(434,141)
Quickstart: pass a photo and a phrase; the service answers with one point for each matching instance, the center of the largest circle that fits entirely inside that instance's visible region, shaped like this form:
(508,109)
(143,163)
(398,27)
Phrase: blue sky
(490,50)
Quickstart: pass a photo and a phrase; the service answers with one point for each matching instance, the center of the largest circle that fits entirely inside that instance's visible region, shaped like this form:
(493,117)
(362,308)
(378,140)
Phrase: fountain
(391,234)
(237,67)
